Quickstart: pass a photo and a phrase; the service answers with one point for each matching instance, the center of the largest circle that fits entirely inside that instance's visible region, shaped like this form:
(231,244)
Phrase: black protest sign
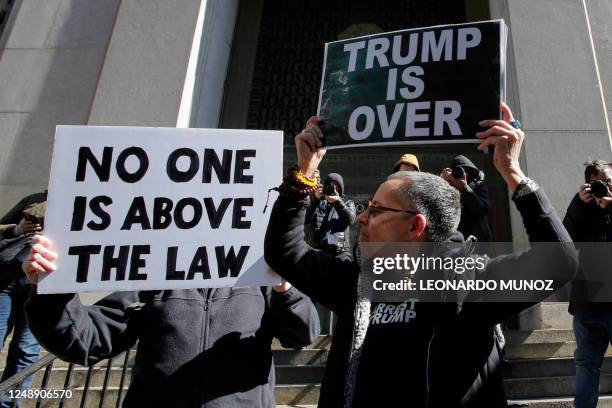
(425,85)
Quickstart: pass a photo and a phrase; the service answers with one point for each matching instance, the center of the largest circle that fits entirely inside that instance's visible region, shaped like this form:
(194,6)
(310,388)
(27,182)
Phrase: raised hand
(507,141)
(309,145)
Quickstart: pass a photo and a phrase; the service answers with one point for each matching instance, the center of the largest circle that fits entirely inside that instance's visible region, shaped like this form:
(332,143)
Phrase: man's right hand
(585,193)
(309,147)
(40,260)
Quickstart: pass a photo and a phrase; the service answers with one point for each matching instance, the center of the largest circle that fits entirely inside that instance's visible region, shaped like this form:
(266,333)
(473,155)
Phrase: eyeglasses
(374,209)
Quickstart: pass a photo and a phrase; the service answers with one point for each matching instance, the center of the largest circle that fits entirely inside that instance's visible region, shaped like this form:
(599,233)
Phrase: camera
(33,219)
(457,172)
(599,189)
(329,190)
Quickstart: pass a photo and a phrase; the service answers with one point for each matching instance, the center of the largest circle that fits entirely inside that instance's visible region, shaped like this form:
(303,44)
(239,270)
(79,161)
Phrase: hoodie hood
(337,178)
(464,162)
(474,173)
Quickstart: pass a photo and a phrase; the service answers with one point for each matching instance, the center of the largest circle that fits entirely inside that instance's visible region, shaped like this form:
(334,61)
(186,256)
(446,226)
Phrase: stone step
(605,401)
(322,342)
(541,344)
(299,374)
(551,387)
(517,337)
(300,357)
(297,406)
(547,368)
(546,315)
(297,394)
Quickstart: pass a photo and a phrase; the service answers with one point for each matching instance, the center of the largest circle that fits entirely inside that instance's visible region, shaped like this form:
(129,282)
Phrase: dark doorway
(275,74)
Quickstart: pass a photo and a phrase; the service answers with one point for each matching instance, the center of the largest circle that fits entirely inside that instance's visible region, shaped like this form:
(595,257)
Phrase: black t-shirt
(392,366)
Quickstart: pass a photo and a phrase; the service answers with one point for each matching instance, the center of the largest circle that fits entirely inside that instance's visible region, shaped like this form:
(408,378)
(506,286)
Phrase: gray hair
(434,198)
(594,167)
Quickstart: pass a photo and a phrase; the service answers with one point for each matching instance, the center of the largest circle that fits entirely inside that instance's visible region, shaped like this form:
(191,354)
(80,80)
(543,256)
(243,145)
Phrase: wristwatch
(526,186)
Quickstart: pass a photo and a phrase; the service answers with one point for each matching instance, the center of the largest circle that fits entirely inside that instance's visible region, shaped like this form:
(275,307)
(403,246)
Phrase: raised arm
(324,278)
(554,258)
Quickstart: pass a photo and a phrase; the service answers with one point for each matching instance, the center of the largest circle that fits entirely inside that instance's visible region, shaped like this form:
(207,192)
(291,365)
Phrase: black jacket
(475,202)
(12,253)
(196,348)
(437,359)
(329,224)
(588,224)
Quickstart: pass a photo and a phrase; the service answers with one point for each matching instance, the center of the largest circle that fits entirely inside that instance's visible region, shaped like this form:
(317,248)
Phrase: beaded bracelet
(309,182)
(297,186)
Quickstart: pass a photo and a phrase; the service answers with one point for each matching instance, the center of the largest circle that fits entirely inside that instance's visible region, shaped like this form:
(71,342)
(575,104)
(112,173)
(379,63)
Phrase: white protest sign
(159,208)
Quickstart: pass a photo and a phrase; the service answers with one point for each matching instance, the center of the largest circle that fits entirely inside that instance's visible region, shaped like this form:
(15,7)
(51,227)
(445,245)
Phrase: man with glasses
(589,222)
(407,353)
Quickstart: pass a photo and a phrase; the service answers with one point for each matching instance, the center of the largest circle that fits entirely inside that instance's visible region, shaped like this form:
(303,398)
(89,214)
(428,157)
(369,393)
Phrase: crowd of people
(212,347)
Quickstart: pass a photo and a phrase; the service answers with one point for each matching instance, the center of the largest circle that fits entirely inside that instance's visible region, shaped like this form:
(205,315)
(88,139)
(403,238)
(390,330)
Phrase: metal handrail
(46,363)
(17,379)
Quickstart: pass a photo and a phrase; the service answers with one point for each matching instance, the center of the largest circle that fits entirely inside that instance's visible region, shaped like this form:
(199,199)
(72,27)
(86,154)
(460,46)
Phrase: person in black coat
(475,200)
(589,222)
(16,230)
(207,347)
(329,217)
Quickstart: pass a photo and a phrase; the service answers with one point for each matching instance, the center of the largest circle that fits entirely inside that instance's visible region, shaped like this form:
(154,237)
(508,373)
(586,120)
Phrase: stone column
(51,55)
(554,87)
(142,81)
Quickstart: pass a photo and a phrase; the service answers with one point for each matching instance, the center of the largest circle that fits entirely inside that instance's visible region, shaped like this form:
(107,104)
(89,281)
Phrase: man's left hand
(507,141)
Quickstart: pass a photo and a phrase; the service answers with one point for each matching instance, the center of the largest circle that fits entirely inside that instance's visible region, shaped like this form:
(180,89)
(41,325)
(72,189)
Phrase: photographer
(589,221)
(329,217)
(475,202)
